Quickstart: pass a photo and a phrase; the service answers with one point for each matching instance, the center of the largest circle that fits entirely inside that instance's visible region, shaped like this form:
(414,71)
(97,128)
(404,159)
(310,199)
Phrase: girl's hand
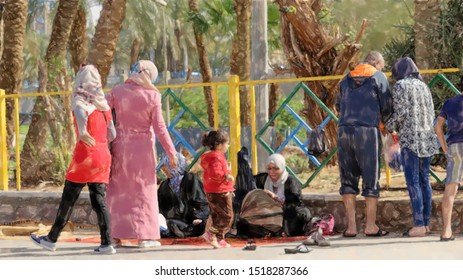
(229,177)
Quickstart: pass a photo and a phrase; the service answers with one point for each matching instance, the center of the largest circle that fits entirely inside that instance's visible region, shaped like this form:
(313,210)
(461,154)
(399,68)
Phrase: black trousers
(70,195)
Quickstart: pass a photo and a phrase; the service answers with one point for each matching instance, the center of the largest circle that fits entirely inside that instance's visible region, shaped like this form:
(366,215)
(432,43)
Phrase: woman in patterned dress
(413,120)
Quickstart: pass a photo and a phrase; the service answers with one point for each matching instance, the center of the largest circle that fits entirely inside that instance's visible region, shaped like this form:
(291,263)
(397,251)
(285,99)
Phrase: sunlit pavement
(393,247)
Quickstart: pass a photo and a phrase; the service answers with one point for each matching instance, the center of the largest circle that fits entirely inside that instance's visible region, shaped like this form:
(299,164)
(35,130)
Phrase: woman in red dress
(91,161)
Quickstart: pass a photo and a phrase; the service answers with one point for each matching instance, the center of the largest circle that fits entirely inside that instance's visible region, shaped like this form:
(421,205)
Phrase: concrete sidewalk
(393,247)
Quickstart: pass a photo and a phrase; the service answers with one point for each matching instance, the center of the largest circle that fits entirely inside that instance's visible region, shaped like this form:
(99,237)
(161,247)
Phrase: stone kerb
(42,207)
(394,214)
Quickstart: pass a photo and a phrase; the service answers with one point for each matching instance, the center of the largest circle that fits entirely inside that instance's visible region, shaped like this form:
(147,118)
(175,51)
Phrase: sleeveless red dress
(92,164)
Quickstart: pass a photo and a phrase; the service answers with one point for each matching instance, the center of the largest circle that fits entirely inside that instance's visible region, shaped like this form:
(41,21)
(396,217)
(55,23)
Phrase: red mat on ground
(198,241)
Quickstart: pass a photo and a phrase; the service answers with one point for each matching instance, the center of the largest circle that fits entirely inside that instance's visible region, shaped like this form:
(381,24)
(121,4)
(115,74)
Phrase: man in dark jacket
(363,102)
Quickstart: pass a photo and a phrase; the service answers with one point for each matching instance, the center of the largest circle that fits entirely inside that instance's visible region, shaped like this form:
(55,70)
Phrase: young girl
(218,186)
(91,161)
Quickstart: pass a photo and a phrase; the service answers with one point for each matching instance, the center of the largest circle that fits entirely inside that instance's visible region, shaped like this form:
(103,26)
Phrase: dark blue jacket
(364,98)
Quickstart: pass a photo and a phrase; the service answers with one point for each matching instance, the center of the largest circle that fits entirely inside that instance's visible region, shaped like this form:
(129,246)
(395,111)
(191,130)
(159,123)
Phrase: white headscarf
(280,162)
(144,73)
(88,92)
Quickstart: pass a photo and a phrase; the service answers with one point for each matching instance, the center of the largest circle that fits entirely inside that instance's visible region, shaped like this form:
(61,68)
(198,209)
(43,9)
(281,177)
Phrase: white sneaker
(43,242)
(105,249)
(149,244)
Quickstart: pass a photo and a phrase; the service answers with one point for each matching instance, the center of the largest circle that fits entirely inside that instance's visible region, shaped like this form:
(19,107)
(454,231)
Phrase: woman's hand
(173,161)
(271,194)
(87,139)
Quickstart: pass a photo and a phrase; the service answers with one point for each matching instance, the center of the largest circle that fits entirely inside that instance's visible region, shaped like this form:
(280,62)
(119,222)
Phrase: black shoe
(451,238)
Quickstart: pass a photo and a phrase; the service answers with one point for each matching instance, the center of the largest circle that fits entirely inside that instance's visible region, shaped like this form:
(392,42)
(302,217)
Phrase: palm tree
(78,40)
(12,61)
(221,26)
(37,163)
(106,34)
(137,35)
(447,37)
(199,28)
(56,111)
(312,51)
(426,19)
(56,51)
(2,8)
(55,58)
(240,61)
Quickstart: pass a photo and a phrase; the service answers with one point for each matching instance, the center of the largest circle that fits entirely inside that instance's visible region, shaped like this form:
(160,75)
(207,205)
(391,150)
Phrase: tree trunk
(56,51)
(274,95)
(181,46)
(78,40)
(58,108)
(59,114)
(55,110)
(311,51)
(206,71)
(134,51)
(12,63)
(2,8)
(426,19)
(36,161)
(106,34)
(259,71)
(240,61)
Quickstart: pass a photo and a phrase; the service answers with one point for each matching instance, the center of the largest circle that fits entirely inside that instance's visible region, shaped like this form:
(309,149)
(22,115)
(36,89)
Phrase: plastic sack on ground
(260,215)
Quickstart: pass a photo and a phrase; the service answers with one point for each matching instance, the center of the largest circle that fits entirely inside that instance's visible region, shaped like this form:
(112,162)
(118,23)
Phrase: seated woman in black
(182,201)
(286,190)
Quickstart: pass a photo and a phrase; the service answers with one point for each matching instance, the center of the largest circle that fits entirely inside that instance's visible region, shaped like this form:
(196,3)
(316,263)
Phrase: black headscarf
(405,67)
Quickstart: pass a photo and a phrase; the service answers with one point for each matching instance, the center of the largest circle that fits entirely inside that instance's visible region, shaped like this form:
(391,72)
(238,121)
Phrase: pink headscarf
(88,93)
(144,73)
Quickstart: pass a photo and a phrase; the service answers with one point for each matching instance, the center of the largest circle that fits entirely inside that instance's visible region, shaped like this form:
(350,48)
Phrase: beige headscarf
(144,73)
(88,93)
(279,185)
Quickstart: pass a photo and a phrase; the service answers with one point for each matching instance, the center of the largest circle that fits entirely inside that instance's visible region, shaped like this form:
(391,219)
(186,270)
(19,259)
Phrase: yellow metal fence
(233,85)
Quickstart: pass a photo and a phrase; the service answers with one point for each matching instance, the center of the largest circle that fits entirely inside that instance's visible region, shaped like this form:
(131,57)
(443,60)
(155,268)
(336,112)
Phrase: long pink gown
(132,192)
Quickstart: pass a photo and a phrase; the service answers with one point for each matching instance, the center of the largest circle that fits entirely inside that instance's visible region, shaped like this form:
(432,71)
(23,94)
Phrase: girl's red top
(215,168)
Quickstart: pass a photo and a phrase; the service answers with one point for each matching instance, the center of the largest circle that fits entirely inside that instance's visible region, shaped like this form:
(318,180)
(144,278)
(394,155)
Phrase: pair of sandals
(379,233)
(250,246)
(407,234)
(299,249)
(317,238)
(427,232)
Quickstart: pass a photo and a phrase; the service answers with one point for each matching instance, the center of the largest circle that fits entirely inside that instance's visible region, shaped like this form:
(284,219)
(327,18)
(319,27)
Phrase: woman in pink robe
(132,192)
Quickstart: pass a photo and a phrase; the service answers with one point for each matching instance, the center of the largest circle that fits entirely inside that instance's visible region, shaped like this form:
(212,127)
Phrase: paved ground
(392,247)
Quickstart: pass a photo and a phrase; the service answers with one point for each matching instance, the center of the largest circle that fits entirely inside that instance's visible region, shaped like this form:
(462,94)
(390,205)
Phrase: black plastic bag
(317,142)
(244,182)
